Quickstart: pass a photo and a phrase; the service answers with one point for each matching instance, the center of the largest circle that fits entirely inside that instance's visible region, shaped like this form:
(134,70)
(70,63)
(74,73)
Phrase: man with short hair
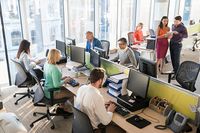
(125,55)
(90,101)
(92,42)
(179,32)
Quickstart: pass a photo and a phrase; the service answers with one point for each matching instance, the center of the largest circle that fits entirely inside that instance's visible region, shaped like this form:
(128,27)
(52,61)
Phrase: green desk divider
(193,29)
(180,99)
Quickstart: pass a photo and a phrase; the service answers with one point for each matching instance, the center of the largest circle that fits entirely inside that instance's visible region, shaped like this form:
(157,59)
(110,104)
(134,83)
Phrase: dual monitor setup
(77,54)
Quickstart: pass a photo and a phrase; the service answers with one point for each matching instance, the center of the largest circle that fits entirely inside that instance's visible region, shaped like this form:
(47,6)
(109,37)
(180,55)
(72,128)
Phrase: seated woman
(54,79)
(138,34)
(24,57)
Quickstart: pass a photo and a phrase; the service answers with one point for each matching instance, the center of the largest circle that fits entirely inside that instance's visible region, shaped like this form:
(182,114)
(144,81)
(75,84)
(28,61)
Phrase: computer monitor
(94,58)
(62,47)
(101,52)
(70,41)
(77,54)
(138,83)
(152,33)
(148,67)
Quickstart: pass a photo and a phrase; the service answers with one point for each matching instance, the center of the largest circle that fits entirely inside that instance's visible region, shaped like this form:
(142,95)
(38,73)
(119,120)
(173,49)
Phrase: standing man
(92,41)
(179,32)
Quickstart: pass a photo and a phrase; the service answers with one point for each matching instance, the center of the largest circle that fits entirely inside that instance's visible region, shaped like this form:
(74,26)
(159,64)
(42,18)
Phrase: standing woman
(162,42)
(24,56)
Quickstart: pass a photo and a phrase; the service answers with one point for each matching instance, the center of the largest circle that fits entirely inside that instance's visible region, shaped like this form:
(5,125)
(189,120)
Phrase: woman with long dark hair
(162,42)
(24,56)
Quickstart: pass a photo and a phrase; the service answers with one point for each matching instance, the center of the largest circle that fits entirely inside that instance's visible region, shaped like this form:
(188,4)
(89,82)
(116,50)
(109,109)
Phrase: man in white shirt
(90,101)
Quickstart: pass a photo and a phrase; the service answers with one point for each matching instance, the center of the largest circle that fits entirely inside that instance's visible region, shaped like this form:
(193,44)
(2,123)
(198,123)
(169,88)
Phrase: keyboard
(73,83)
(121,110)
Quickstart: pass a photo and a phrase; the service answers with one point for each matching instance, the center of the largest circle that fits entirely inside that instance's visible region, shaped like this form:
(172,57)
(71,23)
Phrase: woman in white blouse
(24,57)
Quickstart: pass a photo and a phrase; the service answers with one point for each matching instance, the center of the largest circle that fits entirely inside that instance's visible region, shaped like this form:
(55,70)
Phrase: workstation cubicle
(182,100)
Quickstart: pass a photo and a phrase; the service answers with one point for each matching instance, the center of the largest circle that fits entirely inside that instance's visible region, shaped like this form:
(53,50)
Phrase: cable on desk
(156,120)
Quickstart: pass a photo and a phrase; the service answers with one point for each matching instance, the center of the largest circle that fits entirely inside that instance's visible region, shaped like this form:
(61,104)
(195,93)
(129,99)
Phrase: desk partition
(180,99)
(193,29)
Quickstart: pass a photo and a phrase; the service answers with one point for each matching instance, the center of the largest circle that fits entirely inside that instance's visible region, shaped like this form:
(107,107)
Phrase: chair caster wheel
(14,95)
(34,114)
(31,125)
(52,127)
(16,103)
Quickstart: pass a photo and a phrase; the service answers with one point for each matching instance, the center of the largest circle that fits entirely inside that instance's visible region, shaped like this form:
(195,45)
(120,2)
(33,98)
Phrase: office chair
(197,83)
(137,55)
(81,123)
(41,101)
(186,75)
(106,46)
(23,79)
(130,38)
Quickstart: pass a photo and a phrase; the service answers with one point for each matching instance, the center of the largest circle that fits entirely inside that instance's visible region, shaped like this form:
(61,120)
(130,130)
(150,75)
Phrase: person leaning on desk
(125,55)
(90,101)
(92,42)
(54,79)
(24,57)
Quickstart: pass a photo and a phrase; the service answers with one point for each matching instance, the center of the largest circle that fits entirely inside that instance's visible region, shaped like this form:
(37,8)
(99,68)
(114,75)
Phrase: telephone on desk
(73,83)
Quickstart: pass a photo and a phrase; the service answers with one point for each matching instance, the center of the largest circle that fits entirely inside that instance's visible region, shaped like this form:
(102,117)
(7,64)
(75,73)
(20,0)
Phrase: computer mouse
(137,119)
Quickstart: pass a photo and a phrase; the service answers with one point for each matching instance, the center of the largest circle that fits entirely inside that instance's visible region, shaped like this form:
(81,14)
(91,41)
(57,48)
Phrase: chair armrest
(102,128)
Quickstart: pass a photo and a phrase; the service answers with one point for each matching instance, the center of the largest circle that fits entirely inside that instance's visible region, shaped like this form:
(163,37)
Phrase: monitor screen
(70,41)
(62,47)
(94,58)
(148,67)
(101,52)
(77,54)
(138,83)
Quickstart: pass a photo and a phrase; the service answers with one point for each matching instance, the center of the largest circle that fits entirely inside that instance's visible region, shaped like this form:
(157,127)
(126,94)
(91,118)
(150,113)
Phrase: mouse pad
(138,121)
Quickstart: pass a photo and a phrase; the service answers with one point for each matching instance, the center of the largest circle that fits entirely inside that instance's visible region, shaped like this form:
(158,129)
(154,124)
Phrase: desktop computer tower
(133,104)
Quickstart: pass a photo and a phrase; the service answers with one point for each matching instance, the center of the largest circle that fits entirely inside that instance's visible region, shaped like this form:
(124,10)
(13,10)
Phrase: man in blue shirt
(179,32)
(92,42)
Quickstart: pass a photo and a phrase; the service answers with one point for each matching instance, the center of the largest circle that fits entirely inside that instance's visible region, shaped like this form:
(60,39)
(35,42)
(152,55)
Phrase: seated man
(90,101)
(138,34)
(125,55)
(92,41)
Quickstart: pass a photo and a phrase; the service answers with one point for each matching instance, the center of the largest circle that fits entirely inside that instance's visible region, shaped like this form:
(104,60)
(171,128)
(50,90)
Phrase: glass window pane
(81,19)
(108,21)
(44,21)
(13,32)
(143,13)
(127,17)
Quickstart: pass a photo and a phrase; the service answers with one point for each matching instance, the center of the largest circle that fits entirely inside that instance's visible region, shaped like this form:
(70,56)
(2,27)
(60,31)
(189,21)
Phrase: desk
(121,121)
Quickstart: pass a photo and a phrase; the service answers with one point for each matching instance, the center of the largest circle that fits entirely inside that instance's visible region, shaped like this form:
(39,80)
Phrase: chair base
(28,94)
(47,115)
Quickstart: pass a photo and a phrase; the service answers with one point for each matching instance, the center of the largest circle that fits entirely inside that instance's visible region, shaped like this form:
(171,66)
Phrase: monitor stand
(133,103)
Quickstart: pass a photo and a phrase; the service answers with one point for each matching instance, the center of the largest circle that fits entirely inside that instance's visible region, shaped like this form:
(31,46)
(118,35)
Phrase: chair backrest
(130,38)
(39,93)
(197,83)
(81,122)
(137,55)
(187,74)
(22,73)
(106,46)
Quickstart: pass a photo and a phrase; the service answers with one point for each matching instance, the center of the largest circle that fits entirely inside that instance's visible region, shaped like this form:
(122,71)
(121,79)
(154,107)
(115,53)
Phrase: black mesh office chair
(137,55)
(41,101)
(23,79)
(130,38)
(187,74)
(106,46)
(81,123)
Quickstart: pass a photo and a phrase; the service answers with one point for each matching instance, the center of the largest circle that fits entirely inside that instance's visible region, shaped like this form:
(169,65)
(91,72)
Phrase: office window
(13,31)
(127,19)
(144,13)
(194,14)
(16,37)
(107,19)
(44,22)
(80,19)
